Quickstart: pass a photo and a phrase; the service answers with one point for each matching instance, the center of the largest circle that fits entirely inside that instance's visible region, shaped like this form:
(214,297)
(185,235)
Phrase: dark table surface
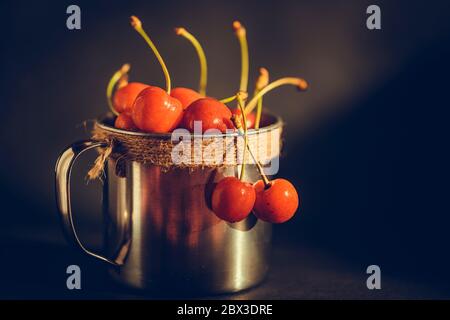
(36,269)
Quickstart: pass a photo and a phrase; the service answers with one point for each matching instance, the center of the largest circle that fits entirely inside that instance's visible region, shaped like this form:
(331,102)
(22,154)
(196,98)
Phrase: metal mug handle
(63,172)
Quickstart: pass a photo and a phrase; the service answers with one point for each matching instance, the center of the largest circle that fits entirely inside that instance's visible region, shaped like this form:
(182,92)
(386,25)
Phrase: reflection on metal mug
(159,230)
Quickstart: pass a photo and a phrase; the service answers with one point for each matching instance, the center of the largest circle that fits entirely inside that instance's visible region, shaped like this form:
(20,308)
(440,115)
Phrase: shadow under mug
(159,230)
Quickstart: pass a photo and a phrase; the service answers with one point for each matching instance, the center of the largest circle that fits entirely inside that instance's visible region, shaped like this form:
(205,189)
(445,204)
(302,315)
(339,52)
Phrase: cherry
(124,97)
(185,95)
(275,202)
(118,80)
(250,117)
(125,122)
(232,199)
(156,111)
(212,113)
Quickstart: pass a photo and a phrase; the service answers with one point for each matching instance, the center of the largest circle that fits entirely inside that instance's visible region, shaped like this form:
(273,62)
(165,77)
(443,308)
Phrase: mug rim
(100,121)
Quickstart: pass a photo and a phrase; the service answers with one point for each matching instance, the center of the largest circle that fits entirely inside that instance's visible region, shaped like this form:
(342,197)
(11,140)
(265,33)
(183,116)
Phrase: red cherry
(185,95)
(277,203)
(155,111)
(212,113)
(251,117)
(125,122)
(124,97)
(232,199)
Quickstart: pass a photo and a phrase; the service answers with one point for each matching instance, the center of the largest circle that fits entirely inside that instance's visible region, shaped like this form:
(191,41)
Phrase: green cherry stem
(260,168)
(241,102)
(228,100)
(201,57)
(301,84)
(241,34)
(261,82)
(137,25)
(239,125)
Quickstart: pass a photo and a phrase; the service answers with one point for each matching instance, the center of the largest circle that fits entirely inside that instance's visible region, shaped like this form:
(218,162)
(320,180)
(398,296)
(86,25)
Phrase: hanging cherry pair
(233,199)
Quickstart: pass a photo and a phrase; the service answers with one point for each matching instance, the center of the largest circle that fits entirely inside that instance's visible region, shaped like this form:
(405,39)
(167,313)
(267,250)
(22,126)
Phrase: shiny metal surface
(162,223)
(160,231)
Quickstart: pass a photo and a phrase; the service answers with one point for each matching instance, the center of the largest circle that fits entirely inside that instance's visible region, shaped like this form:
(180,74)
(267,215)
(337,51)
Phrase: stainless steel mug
(159,230)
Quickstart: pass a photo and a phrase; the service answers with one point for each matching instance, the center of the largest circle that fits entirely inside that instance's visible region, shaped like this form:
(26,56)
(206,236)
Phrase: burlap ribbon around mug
(184,151)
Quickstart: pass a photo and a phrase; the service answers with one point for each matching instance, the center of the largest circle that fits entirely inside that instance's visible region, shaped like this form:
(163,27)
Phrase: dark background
(367,145)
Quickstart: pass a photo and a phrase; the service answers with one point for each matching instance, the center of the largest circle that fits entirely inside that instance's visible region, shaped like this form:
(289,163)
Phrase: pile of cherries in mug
(146,108)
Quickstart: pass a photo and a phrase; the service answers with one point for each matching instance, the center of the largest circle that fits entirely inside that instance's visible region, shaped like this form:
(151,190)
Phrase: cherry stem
(258,112)
(123,81)
(238,124)
(137,25)
(301,84)
(260,168)
(201,57)
(261,82)
(240,98)
(228,100)
(240,32)
(118,76)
